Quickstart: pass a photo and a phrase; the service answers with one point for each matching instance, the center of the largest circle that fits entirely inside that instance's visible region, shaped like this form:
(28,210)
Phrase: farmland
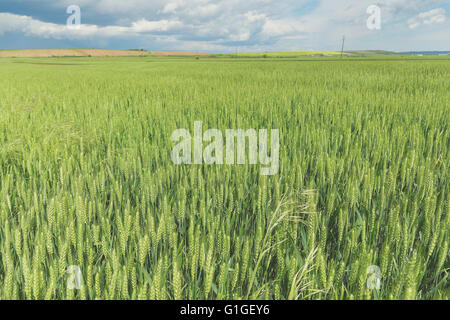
(358,210)
(286,54)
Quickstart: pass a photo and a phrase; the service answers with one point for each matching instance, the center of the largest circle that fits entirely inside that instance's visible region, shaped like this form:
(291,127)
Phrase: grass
(86,179)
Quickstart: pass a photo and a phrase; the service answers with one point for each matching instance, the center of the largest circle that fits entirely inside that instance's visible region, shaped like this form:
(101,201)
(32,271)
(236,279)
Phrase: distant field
(39,53)
(178,53)
(284,53)
(360,208)
(371,53)
(35,53)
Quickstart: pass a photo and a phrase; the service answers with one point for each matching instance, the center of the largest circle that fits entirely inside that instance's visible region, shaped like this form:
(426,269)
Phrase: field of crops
(87,180)
(282,54)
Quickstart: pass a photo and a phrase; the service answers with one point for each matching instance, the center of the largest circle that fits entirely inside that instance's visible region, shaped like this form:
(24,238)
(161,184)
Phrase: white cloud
(274,28)
(32,27)
(427,18)
(227,24)
(151,26)
(253,16)
(206,10)
(170,7)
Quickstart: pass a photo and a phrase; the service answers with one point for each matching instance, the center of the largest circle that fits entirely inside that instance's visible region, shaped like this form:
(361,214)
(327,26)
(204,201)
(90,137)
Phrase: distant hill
(33,53)
(348,53)
(282,54)
(427,53)
(36,53)
(370,53)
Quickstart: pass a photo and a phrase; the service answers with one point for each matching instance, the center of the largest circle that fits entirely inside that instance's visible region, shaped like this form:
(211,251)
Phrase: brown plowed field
(32,53)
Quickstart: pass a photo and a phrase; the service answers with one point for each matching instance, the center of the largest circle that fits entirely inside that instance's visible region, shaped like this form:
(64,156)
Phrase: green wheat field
(358,210)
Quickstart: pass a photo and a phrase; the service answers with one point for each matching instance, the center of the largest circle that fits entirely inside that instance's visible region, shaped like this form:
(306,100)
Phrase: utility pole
(342,50)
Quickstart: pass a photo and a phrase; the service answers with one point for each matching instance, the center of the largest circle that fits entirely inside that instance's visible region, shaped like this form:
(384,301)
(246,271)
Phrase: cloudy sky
(226,25)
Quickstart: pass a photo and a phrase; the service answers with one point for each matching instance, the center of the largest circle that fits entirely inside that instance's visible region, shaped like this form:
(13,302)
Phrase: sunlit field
(288,53)
(358,210)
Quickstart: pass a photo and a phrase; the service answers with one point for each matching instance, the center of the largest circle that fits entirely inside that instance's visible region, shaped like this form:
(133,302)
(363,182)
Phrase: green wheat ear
(87,180)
